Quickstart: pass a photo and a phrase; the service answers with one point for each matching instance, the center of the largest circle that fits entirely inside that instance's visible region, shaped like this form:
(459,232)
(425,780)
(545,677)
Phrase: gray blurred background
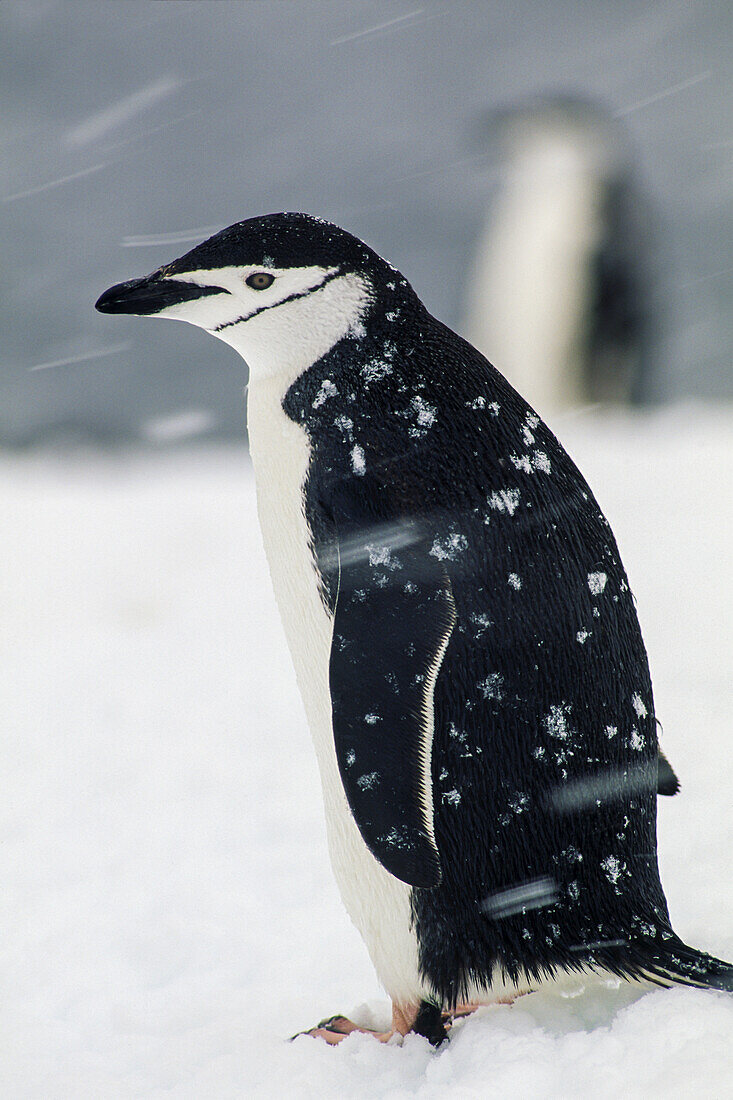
(130,131)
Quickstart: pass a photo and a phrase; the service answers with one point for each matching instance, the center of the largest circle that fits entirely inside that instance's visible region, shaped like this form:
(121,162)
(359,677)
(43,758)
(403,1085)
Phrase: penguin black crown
(461,626)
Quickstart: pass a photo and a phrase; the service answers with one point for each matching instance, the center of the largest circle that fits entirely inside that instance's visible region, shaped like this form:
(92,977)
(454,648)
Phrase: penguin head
(282,289)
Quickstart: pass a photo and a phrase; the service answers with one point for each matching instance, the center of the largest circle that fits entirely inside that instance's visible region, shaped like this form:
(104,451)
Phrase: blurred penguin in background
(563,288)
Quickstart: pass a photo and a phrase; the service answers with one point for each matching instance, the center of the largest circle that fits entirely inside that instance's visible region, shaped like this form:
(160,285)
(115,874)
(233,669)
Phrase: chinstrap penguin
(566,276)
(461,626)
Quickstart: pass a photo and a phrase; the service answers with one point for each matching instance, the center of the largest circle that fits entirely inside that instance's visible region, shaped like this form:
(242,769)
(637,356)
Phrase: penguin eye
(260,280)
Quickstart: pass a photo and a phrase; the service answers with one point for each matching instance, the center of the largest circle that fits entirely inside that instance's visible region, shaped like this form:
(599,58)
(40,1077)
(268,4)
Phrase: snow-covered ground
(168,912)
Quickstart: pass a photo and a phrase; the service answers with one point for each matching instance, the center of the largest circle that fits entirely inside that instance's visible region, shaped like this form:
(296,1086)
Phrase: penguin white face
(278,312)
(278,319)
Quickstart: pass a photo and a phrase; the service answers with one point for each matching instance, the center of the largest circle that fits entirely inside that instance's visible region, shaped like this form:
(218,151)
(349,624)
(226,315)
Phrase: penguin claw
(450,1015)
(333,1021)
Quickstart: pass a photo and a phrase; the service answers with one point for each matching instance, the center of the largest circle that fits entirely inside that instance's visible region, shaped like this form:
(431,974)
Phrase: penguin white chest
(378,903)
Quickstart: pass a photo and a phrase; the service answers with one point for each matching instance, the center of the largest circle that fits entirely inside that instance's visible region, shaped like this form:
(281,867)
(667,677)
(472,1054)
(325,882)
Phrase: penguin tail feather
(677,964)
(686,966)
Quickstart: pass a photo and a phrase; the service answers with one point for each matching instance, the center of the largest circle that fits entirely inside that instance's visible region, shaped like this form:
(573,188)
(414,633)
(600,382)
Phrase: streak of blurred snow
(120,112)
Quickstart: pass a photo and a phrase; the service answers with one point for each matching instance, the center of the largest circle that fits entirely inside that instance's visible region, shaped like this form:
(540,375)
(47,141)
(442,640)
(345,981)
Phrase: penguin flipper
(667,781)
(393,618)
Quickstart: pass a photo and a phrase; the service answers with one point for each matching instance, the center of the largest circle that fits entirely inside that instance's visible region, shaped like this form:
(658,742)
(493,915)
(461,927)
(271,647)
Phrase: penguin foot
(334,1030)
(465,1008)
(423,1019)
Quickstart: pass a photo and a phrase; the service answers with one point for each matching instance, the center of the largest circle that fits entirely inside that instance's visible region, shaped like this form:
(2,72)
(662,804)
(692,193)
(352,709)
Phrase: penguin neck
(340,328)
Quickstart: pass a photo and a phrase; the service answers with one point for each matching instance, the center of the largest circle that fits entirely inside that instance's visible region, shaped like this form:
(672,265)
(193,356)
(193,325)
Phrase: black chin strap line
(291,298)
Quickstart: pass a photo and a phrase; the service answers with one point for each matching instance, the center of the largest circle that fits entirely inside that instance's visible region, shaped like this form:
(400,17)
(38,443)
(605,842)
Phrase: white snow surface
(168,912)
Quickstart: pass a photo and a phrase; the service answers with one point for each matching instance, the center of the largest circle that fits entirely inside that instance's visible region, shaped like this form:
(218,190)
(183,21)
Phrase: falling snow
(82,357)
(328,389)
(492,687)
(425,417)
(556,722)
(358,461)
(612,869)
(515,581)
(596,583)
(532,894)
(453,797)
(181,425)
(636,740)
(180,236)
(120,112)
(410,18)
(605,786)
(380,555)
(448,548)
(376,369)
(505,500)
(638,704)
(398,837)
(538,460)
(481,621)
(59,181)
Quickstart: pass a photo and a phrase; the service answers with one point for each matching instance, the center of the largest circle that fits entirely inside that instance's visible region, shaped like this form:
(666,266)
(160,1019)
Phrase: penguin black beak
(150,295)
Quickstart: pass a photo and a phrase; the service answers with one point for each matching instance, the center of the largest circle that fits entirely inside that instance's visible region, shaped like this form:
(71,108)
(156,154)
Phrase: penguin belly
(378,903)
